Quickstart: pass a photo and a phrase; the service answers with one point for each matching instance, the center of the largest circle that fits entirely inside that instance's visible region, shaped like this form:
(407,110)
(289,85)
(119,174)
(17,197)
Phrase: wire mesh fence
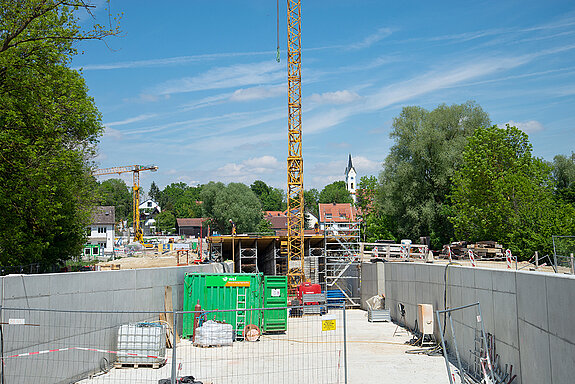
(563,251)
(60,346)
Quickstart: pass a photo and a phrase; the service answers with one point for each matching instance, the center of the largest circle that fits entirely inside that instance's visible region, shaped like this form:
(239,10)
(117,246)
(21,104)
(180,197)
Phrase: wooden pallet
(138,365)
(210,346)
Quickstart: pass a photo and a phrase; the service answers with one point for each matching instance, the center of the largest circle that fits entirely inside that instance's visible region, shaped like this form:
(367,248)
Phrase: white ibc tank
(146,340)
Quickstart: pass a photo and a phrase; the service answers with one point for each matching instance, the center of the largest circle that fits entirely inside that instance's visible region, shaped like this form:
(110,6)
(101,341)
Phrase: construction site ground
(374,355)
(154,259)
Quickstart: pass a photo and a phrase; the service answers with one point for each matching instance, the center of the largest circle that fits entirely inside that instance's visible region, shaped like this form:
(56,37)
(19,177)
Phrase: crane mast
(135,169)
(295,202)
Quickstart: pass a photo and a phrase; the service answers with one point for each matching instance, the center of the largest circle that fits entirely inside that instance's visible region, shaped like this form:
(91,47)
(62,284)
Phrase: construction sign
(328,323)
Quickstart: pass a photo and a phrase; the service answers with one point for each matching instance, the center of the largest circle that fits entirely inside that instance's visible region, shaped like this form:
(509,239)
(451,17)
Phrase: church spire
(349,165)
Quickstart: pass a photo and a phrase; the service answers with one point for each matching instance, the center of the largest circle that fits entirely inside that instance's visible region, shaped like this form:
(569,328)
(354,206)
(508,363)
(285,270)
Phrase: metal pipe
(461,373)
(444,348)
(456,308)
(572,265)
(174,361)
(344,346)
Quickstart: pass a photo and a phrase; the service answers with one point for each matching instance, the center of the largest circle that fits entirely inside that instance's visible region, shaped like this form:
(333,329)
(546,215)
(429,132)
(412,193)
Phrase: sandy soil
(148,259)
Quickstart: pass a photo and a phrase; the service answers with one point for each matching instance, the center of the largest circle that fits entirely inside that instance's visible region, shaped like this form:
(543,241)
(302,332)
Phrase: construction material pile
(489,250)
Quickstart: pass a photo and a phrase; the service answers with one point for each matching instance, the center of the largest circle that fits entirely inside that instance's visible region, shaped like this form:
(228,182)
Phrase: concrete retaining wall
(530,314)
(122,290)
(372,281)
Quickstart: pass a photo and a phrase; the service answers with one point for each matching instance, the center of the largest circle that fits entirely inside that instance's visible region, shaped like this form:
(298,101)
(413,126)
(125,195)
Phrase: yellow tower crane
(295,203)
(135,169)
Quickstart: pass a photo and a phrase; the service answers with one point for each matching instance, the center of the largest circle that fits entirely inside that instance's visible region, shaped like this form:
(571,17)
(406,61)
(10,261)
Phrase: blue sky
(194,87)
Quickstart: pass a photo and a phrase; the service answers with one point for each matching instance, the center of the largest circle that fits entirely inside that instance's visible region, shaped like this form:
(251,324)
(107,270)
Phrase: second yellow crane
(135,169)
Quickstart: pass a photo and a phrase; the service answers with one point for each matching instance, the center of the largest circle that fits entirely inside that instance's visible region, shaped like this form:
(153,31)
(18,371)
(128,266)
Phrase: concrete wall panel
(562,360)
(483,278)
(561,306)
(532,299)
(534,354)
(505,308)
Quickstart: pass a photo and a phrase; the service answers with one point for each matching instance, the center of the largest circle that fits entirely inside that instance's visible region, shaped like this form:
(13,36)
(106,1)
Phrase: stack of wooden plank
(481,249)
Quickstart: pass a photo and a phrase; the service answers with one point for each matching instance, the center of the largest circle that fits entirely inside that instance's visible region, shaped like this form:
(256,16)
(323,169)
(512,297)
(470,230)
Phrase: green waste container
(223,291)
(275,296)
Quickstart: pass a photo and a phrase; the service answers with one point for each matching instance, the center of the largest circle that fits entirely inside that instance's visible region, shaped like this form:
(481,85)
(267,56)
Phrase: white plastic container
(146,340)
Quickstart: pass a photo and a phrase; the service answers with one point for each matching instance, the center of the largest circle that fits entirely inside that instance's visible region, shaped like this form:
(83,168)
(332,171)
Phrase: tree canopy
(335,192)
(236,202)
(48,131)
(417,175)
(502,192)
(272,199)
(180,198)
(115,192)
(564,177)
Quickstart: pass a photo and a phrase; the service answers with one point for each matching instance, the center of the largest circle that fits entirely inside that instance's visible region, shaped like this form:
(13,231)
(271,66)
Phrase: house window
(87,251)
(328,216)
(149,203)
(101,229)
(95,250)
(352,185)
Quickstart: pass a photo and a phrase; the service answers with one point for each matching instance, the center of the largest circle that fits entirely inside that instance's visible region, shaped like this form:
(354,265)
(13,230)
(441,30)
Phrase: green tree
(502,193)
(418,172)
(335,192)
(236,202)
(181,199)
(272,199)
(310,203)
(564,177)
(154,192)
(115,192)
(366,191)
(48,131)
(166,222)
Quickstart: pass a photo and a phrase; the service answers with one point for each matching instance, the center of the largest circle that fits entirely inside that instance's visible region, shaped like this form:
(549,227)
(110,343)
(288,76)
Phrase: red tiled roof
(277,222)
(274,213)
(337,213)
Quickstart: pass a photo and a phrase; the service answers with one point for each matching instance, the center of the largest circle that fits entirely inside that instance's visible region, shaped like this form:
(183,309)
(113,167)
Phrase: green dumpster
(275,296)
(218,292)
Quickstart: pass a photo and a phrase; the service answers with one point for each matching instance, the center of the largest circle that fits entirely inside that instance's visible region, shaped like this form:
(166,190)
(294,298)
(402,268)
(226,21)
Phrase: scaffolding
(247,259)
(331,259)
(342,259)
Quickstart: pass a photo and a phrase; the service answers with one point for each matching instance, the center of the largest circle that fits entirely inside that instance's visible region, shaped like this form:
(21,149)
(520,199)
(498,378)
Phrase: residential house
(336,215)
(101,232)
(148,211)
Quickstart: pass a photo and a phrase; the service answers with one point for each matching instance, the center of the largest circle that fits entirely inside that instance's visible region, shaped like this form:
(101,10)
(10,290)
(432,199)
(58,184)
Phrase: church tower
(351,178)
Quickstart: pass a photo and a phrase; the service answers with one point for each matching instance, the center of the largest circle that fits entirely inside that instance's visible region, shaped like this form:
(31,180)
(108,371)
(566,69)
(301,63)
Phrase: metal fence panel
(60,346)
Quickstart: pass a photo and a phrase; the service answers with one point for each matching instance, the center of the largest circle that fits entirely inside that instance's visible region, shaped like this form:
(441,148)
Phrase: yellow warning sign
(328,325)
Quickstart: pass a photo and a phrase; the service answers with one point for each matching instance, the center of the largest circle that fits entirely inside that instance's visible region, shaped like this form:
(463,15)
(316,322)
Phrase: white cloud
(372,39)
(178,60)
(112,133)
(365,166)
(337,97)
(240,75)
(258,93)
(131,120)
(528,127)
(250,169)
(264,162)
